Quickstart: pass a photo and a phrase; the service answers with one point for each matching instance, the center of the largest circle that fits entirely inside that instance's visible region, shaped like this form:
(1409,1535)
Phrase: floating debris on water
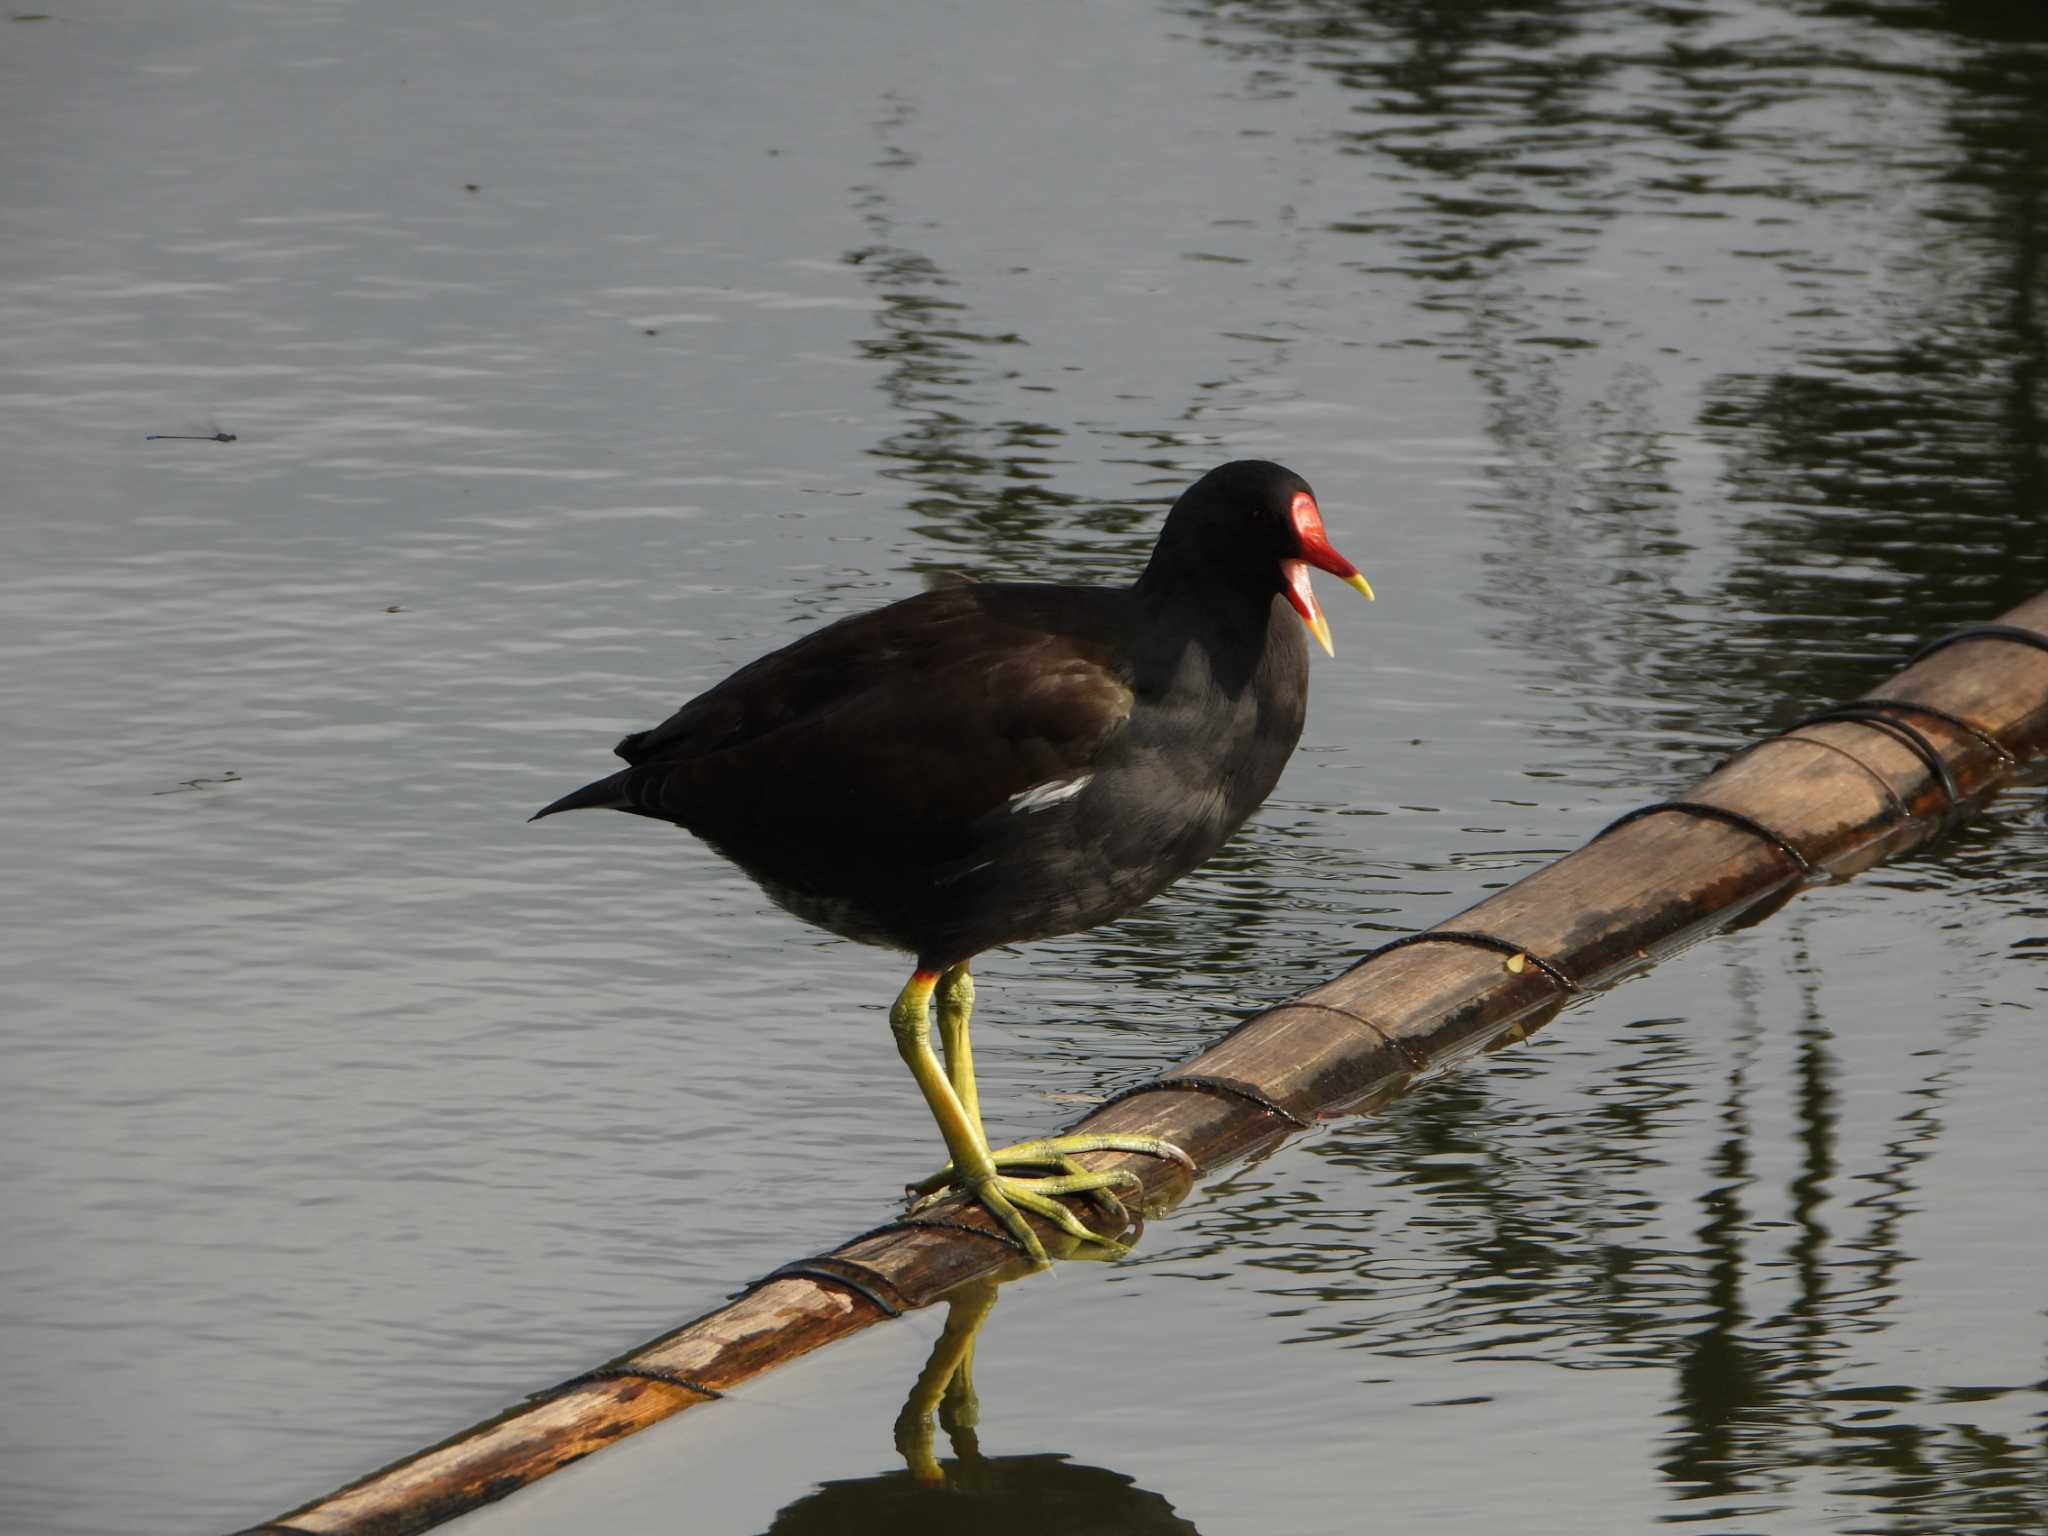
(230,777)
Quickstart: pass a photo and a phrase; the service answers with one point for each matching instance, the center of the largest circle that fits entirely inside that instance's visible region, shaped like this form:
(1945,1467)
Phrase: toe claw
(1007,1196)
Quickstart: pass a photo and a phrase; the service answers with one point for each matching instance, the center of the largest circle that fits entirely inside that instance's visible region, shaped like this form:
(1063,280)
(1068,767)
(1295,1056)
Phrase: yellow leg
(972,1168)
(956,1006)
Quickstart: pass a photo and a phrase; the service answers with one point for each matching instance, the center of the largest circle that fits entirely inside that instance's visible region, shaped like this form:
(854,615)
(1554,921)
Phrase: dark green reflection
(1724,1387)
(980,476)
(1925,459)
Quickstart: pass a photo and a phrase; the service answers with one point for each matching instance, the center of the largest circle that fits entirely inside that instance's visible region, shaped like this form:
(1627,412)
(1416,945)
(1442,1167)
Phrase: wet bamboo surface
(1836,797)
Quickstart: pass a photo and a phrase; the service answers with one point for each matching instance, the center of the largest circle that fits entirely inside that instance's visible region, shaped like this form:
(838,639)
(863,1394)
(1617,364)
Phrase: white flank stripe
(1052,792)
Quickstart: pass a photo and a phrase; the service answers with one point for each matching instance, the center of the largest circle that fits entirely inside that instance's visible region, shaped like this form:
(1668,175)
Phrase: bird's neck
(1210,627)
(1205,588)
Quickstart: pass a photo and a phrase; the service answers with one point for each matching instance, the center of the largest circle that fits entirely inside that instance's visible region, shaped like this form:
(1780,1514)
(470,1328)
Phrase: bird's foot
(1058,1152)
(1006,1198)
(1005,1195)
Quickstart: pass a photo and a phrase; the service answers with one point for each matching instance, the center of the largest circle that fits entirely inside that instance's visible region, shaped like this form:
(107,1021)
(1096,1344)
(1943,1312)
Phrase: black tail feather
(608,794)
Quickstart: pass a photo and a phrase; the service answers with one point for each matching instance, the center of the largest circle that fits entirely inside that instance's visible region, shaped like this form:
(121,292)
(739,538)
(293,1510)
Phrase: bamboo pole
(1825,800)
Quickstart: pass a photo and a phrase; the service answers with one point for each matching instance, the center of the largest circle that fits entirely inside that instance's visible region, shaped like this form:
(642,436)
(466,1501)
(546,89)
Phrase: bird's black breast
(1208,737)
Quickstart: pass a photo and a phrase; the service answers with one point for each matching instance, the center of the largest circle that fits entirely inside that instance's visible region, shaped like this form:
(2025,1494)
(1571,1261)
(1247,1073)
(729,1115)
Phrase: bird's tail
(608,794)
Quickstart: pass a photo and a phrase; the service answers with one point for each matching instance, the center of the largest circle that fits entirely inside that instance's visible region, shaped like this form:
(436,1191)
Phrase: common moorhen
(993,762)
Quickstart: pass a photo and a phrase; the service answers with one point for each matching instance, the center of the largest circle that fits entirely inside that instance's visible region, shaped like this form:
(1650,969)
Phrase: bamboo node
(1871,713)
(1223,1087)
(1484,940)
(2011,632)
(857,1278)
(1714,813)
(2004,752)
(939,1223)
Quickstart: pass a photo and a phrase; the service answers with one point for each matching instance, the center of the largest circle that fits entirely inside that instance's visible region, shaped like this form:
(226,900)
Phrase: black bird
(994,762)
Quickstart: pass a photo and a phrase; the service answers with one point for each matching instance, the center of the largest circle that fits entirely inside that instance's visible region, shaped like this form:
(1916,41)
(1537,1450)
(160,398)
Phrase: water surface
(1670,368)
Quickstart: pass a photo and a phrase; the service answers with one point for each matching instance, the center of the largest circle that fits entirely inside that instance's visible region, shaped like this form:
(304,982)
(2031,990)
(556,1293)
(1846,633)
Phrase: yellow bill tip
(1320,628)
(1364,588)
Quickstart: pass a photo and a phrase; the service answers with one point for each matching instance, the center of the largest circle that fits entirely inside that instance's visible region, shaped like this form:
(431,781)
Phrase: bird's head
(1259,523)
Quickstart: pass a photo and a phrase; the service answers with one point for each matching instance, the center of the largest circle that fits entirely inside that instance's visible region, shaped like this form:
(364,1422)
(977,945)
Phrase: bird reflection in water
(945,1388)
(1036,1495)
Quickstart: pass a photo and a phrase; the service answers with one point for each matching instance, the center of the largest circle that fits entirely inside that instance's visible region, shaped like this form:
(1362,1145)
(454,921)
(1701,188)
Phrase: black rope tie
(1872,713)
(1477,941)
(1884,785)
(1222,1087)
(1713,813)
(940,1224)
(1410,1053)
(1882,713)
(1957,721)
(2010,632)
(857,1278)
(606,1373)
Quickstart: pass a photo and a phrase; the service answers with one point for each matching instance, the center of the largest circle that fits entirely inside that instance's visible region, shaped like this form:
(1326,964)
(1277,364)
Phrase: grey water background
(1671,368)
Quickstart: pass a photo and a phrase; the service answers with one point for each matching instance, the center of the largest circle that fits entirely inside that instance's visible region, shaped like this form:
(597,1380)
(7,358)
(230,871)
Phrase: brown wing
(916,718)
